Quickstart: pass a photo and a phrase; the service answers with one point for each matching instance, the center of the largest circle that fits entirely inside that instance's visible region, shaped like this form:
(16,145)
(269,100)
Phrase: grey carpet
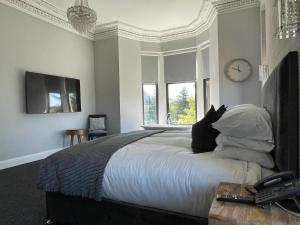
(21,203)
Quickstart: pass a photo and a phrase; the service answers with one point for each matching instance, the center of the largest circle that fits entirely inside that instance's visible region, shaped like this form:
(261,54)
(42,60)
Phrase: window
(150,103)
(206,94)
(181,99)
(55,103)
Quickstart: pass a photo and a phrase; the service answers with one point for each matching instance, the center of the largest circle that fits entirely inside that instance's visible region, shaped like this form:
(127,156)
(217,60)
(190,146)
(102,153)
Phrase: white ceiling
(146,14)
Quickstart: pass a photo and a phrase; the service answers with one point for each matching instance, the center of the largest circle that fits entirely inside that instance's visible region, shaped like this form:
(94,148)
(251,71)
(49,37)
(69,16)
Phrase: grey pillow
(97,123)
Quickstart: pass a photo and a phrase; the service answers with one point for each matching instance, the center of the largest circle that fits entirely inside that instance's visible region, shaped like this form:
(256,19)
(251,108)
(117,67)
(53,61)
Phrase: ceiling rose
(82,17)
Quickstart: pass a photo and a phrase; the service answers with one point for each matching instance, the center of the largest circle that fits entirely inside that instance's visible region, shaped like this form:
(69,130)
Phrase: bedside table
(228,213)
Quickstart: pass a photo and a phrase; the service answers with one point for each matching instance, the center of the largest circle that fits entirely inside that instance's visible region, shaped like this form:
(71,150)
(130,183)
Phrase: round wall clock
(238,70)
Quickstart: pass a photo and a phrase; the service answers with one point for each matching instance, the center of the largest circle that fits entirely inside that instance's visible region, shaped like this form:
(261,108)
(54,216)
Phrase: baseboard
(26,159)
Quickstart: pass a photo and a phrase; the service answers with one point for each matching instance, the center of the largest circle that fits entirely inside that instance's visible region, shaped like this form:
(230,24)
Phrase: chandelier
(288,18)
(82,17)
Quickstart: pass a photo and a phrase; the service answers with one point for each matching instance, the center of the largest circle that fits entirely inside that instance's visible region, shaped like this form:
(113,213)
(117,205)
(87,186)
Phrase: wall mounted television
(51,94)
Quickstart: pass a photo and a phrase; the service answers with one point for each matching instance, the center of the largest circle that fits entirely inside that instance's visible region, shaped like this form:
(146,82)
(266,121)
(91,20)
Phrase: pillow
(246,121)
(97,124)
(203,134)
(262,146)
(263,159)
(221,111)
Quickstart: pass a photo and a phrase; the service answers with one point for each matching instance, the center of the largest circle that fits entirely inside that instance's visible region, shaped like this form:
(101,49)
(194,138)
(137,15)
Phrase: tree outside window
(182,103)
(150,103)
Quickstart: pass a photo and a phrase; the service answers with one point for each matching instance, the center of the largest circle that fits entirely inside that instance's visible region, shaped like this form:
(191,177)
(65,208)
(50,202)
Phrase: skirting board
(27,159)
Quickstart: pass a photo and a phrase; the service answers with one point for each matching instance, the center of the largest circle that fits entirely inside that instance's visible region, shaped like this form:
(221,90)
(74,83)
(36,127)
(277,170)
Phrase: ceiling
(146,14)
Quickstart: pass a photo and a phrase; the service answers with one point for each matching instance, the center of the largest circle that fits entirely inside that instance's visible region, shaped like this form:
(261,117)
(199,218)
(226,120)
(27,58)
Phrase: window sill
(166,127)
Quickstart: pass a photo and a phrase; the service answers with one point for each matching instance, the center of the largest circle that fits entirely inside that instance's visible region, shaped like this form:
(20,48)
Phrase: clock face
(238,70)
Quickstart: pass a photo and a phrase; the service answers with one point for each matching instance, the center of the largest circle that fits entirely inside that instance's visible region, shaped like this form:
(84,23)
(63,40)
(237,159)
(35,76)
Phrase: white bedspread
(162,172)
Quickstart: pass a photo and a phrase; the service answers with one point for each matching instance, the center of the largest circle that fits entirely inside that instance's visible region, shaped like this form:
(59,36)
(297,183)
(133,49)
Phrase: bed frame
(280,98)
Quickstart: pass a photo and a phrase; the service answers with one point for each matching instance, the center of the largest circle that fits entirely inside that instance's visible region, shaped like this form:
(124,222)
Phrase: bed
(130,192)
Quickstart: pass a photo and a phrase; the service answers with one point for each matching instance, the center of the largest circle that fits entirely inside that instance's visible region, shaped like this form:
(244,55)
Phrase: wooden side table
(228,213)
(80,133)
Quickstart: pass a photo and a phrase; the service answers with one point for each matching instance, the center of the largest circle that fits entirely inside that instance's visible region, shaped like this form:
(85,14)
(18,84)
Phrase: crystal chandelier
(82,17)
(288,18)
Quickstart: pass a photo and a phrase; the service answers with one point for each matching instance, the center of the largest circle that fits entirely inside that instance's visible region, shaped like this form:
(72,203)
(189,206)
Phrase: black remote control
(236,198)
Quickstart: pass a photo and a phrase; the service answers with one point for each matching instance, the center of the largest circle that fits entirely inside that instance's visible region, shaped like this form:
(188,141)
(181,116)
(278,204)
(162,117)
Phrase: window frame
(205,106)
(157,103)
(167,101)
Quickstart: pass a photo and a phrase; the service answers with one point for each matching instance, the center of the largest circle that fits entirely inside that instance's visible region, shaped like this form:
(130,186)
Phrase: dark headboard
(281,99)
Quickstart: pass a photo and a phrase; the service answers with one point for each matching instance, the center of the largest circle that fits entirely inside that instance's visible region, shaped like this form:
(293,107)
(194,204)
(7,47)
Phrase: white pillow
(263,159)
(262,146)
(246,121)
(97,124)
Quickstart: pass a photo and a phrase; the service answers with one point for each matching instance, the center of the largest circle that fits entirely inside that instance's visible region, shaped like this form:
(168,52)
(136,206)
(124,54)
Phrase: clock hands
(237,69)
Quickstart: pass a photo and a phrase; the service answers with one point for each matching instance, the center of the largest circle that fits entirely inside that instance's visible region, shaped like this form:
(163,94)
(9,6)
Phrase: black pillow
(203,134)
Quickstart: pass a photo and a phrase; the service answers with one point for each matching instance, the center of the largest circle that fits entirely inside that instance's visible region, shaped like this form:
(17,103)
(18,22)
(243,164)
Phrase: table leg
(72,140)
(79,138)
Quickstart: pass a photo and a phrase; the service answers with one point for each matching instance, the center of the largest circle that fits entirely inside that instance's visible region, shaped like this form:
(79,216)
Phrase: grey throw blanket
(79,170)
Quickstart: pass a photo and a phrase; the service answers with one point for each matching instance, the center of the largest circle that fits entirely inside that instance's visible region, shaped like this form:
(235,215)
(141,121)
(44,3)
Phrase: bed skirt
(65,210)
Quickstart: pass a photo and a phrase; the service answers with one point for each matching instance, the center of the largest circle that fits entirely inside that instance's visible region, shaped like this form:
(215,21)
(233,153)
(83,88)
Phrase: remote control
(236,198)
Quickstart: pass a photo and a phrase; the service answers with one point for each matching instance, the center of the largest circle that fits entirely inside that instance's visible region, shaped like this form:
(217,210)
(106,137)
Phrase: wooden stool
(75,132)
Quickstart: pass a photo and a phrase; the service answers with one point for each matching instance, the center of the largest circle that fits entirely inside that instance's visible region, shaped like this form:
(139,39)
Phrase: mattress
(162,172)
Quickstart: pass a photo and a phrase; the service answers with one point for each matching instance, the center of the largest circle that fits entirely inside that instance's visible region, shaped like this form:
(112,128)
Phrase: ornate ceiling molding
(34,9)
(202,23)
(210,8)
(180,51)
(227,6)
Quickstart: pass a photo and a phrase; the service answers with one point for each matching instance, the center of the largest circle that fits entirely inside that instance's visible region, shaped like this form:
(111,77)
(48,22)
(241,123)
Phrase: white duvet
(161,171)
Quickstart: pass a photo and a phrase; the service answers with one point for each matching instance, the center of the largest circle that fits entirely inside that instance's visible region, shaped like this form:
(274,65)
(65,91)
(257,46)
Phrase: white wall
(239,37)
(107,82)
(130,73)
(29,44)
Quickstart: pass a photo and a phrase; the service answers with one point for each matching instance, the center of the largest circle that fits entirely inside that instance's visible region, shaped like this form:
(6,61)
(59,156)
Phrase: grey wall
(214,64)
(203,37)
(150,46)
(130,73)
(118,83)
(149,69)
(276,49)
(29,44)
(107,82)
(205,73)
(239,37)
(179,44)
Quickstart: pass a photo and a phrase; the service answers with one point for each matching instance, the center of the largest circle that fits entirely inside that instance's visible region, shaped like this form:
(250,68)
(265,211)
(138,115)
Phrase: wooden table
(80,133)
(227,213)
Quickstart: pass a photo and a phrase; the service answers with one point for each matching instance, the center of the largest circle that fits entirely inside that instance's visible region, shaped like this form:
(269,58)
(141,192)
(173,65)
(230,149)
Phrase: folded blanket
(78,170)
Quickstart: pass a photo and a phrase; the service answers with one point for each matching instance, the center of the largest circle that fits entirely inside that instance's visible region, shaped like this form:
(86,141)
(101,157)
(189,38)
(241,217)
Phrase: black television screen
(51,94)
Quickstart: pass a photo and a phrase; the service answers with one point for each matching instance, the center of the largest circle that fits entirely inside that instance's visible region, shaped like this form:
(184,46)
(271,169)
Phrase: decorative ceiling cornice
(200,24)
(209,9)
(227,6)
(39,11)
